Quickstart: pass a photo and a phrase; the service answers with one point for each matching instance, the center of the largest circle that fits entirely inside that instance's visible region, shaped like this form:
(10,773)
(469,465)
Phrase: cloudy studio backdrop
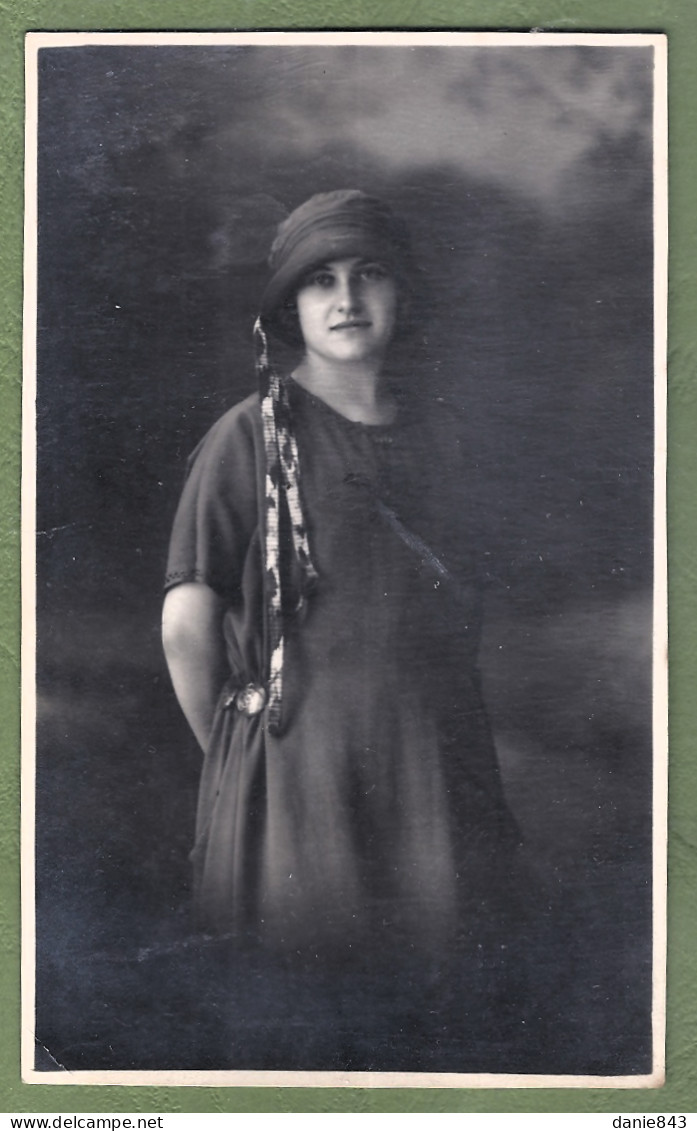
(526,177)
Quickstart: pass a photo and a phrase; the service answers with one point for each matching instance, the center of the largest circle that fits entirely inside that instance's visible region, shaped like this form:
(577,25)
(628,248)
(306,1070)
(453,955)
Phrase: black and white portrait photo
(344,559)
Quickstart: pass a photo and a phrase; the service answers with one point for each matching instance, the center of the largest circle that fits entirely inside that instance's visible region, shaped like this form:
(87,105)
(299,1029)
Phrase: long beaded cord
(282,472)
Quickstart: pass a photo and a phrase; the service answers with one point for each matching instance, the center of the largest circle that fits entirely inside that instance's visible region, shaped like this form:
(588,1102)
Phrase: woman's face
(347,310)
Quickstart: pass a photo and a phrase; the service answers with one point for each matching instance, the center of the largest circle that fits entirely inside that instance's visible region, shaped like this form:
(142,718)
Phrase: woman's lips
(354,324)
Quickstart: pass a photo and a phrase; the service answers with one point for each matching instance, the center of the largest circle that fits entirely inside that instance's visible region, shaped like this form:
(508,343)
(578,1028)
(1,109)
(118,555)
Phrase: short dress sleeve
(218,513)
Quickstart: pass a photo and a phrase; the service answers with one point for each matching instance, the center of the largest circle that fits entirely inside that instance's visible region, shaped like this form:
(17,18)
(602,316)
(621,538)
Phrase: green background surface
(678,19)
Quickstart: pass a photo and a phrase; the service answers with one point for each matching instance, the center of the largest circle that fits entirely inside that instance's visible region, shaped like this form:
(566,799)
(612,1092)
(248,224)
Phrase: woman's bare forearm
(192,635)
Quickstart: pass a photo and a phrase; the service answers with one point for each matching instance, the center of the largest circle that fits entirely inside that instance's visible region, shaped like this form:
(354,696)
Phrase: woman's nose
(349,297)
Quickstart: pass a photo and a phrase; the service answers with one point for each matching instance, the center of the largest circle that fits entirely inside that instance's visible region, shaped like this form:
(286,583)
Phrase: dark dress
(378,812)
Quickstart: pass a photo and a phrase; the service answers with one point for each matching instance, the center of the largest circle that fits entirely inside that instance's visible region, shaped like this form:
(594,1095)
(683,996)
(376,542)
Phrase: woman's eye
(320,279)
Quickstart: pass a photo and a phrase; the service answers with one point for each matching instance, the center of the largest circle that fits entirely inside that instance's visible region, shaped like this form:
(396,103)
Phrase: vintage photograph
(344,418)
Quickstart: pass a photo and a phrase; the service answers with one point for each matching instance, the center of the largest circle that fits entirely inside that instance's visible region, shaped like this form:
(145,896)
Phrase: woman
(321,627)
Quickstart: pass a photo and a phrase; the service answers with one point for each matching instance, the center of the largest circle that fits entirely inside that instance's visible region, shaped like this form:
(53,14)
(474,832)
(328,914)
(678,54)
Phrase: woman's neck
(355,390)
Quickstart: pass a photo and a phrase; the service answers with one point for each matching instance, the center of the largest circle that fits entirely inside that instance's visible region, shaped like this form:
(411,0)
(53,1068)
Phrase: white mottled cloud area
(248,132)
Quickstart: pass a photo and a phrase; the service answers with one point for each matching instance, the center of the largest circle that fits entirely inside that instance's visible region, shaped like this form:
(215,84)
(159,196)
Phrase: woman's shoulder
(242,419)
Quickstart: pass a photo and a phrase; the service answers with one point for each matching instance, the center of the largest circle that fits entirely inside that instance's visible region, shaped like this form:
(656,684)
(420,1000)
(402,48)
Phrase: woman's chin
(353,351)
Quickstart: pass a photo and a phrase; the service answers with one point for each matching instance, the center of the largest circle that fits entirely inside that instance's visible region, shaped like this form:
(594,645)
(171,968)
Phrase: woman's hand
(192,635)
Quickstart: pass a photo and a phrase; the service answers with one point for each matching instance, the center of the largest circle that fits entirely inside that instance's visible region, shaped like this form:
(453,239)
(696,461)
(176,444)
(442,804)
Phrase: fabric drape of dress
(378,811)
